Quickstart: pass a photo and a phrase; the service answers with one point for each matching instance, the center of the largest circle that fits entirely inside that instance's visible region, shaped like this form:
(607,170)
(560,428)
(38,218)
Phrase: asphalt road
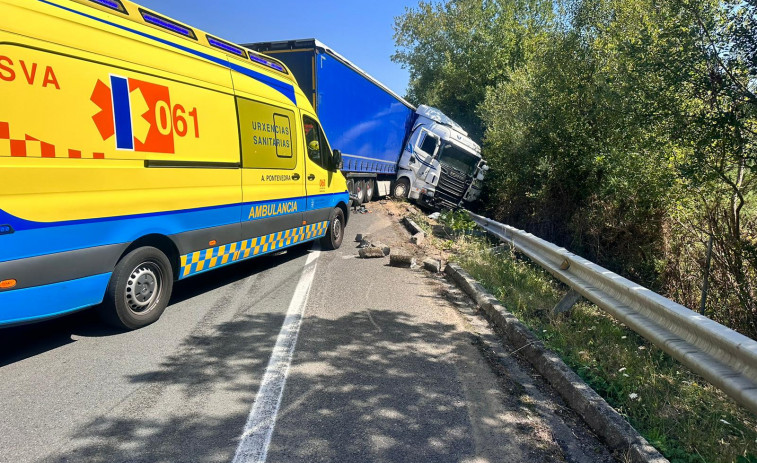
(385,369)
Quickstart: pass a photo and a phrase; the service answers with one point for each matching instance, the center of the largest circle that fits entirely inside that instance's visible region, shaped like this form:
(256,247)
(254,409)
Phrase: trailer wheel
(401,188)
(335,232)
(360,191)
(139,289)
(369,188)
(351,189)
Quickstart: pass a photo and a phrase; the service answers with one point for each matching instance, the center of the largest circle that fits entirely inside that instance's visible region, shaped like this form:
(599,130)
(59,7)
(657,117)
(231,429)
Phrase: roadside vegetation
(683,416)
(624,130)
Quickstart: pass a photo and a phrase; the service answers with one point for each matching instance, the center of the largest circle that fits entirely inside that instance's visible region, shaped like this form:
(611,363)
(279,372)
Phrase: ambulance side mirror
(336,159)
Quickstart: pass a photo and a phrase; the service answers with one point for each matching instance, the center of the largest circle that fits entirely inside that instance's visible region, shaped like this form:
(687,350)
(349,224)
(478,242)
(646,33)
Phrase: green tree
(458,49)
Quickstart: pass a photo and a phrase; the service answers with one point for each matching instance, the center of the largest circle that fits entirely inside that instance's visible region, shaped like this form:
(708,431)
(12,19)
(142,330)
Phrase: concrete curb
(598,414)
(413,227)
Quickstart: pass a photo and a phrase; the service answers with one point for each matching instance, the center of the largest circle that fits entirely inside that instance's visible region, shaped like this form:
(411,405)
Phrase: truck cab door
(426,147)
(320,178)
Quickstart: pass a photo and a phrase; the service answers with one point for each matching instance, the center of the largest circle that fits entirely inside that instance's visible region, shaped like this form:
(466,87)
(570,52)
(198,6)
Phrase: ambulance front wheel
(335,232)
(139,289)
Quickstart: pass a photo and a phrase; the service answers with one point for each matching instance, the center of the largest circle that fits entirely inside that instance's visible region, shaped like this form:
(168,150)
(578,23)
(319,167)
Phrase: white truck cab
(440,165)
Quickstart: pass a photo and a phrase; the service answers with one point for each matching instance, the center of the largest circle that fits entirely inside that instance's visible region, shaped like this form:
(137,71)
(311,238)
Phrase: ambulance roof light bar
(112,4)
(165,23)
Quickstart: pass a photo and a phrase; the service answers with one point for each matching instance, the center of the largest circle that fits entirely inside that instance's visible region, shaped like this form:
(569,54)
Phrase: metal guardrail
(725,358)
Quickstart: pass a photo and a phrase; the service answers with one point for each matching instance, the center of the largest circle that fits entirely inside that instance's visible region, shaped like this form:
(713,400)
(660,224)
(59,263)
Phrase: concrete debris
(401,259)
(418,238)
(371,252)
(432,265)
(363,237)
(412,226)
(384,248)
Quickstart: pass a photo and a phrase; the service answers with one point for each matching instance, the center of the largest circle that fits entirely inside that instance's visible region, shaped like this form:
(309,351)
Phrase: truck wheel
(335,232)
(401,188)
(360,191)
(139,289)
(351,189)
(369,187)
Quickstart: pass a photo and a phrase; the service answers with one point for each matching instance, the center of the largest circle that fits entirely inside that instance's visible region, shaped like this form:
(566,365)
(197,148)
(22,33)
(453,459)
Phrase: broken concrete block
(384,248)
(432,265)
(363,237)
(401,259)
(368,253)
(413,227)
(418,238)
(365,244)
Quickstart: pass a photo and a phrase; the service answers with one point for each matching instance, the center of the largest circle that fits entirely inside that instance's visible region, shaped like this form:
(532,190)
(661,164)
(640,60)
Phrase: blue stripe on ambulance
(39,238)
(52,300)
(282,87)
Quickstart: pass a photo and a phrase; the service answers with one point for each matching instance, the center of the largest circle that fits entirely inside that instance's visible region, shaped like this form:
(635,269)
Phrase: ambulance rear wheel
(369,187)
(360,191)
(335,232)
(139,289)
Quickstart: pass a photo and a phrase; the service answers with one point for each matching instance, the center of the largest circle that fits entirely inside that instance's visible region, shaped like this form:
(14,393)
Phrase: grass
(684,417)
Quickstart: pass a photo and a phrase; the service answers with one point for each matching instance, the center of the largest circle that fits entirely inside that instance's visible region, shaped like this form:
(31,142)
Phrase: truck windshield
(458,159)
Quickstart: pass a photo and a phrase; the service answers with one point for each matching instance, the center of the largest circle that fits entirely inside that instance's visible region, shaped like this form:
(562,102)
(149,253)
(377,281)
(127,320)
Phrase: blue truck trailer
(388,146)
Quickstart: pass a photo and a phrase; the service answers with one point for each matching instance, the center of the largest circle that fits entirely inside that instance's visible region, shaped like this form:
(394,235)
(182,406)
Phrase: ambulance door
(317,168)
(273,176)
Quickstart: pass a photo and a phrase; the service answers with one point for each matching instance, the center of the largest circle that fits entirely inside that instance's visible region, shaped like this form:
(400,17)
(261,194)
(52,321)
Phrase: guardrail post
(570,299)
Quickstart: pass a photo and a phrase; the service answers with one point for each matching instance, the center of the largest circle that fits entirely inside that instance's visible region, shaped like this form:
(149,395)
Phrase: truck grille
(451,187)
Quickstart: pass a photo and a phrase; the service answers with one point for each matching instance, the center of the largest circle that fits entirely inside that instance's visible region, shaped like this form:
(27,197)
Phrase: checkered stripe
(32,147)
(206,259)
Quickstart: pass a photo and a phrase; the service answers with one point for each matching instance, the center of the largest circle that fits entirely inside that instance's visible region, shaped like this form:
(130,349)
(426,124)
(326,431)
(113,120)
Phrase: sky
(360,31)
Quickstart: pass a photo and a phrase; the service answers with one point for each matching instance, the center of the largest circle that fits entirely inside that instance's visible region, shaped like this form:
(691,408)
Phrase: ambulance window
(429,143)
(315,141)
(267,140)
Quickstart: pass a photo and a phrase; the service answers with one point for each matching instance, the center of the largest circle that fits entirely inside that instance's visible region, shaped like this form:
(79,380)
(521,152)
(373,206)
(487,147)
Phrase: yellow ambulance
(136,150)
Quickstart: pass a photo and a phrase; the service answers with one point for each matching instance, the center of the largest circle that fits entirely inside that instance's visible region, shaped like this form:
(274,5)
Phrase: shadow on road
(369,386)
(21,342)
(176,414)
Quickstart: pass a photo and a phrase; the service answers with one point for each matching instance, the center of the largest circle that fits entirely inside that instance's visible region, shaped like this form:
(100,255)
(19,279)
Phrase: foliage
(458,221)
(456,50)
(685,418)
(625,130)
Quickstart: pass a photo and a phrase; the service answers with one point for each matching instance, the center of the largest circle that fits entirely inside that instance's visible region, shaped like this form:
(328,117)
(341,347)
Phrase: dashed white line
(256,438)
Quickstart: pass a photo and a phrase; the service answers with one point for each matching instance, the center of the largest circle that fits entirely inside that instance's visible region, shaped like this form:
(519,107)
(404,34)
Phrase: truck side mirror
(336,159)
(486,168)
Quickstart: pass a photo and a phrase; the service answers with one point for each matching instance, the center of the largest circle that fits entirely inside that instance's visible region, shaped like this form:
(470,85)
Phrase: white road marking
(253,445)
